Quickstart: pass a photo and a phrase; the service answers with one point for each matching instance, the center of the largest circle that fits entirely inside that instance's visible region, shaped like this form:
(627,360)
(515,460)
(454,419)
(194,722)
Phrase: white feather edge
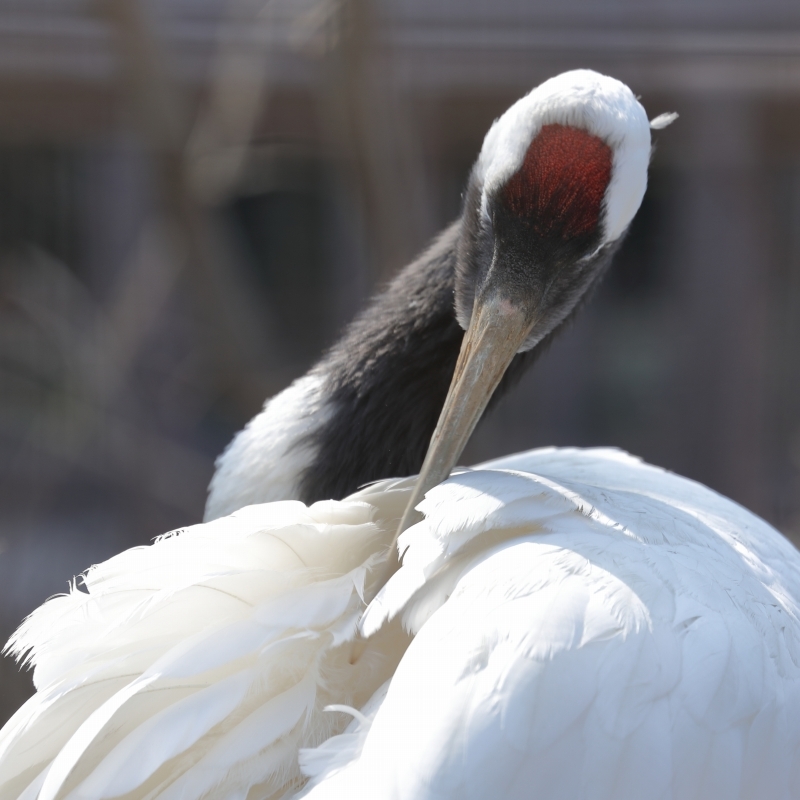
(459,512)
(339,751)
(535,492)
(303,602)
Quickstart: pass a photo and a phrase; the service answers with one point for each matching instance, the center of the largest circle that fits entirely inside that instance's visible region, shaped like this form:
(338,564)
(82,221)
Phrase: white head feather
(585,99)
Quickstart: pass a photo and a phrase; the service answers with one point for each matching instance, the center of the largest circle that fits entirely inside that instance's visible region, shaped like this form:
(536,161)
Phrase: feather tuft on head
(663,120)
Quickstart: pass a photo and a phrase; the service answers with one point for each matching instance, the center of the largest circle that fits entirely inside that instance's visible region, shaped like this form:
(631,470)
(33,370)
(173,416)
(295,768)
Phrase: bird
(559,623)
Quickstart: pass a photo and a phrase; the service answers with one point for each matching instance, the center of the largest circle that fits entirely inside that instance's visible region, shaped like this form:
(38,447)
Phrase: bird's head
(557,182)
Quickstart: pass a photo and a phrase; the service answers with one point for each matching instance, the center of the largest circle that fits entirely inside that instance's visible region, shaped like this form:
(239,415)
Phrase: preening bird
(555,624)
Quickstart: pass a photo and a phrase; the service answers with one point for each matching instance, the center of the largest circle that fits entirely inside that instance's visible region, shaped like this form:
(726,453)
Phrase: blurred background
(196,196)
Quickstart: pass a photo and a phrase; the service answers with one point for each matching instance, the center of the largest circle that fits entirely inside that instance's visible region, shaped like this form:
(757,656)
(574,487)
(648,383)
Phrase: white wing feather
(587,626)
(199,665)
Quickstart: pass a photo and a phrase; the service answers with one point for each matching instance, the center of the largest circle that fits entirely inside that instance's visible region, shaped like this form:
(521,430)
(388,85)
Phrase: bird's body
(557,624)
(585,626)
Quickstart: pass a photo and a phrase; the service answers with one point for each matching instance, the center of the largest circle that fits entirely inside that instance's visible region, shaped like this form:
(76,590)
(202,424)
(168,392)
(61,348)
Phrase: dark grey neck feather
(387,378)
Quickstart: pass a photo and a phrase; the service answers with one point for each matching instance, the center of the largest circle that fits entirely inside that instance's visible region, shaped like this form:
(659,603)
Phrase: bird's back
(585,626)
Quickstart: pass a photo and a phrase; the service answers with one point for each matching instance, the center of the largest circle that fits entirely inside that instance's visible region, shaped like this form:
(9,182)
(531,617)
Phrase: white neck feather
(265,461)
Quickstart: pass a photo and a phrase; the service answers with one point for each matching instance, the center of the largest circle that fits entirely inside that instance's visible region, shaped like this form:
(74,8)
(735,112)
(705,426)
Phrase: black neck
(387,378)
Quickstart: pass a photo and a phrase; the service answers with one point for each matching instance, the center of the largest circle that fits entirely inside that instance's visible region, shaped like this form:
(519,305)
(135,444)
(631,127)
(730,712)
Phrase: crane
(560,623)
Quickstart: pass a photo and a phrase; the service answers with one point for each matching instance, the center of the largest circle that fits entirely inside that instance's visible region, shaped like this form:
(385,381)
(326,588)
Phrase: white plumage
(200,663)
(585,626)
(265,460)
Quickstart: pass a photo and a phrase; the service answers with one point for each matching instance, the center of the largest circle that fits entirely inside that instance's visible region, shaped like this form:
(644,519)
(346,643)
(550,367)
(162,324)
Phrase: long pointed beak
(496,332)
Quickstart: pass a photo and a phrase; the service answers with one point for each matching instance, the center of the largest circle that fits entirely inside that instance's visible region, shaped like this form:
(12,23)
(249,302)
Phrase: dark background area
(196,196)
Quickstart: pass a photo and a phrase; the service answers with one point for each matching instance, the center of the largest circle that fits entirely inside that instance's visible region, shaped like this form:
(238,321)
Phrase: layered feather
(586,626)
(198,666)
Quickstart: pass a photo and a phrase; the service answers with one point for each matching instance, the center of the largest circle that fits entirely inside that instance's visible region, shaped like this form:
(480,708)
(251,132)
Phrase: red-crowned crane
(556,624)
